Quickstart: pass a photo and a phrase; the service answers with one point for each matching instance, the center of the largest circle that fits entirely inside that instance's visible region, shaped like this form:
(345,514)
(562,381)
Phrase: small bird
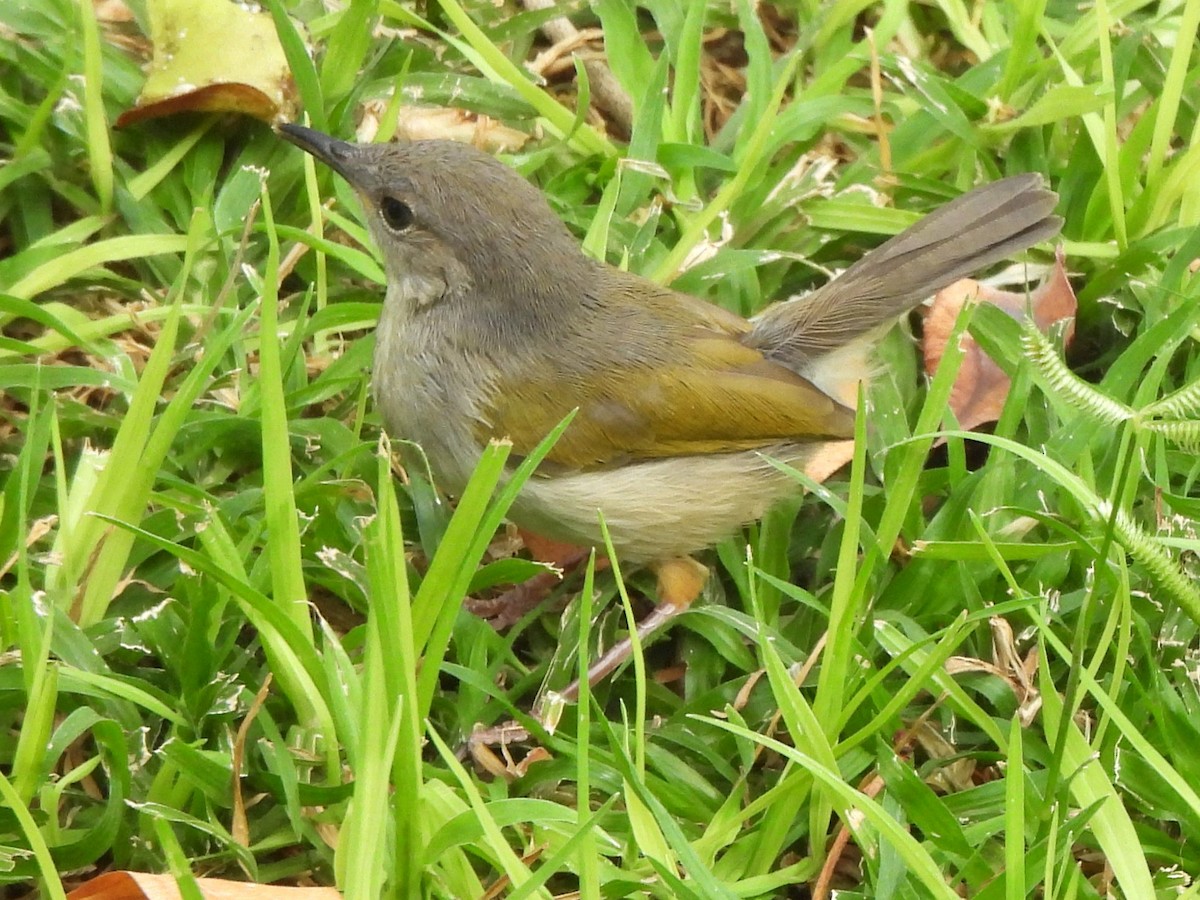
(497,325)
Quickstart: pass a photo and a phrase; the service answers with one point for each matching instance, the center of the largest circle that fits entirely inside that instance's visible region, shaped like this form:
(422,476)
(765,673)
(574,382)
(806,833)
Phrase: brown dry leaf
(121,28)
(420,123)
(981,386)
(827,459)
(822,888)
(112,12)
(38,530)
(560,56)
(1007,664)
(536,755)
(240,829)
(141,886)
(504,766)
(954,776)
(214,56)
(487,761)
(497,735)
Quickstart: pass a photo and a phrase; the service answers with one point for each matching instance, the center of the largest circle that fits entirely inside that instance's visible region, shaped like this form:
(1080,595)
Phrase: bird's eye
(397,214)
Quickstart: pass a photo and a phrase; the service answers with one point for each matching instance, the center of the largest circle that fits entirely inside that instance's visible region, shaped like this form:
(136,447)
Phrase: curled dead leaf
(240,98)
(981,387)
(143,886)
(112,12)
(419,123)
(827,459)
(1020,673)
(957,773)
(214,56)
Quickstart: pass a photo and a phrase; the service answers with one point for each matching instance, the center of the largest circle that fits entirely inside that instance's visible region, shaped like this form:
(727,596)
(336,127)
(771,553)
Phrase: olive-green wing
(715,395)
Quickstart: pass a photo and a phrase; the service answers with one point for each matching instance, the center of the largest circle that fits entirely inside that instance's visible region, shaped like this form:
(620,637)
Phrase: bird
(496,325)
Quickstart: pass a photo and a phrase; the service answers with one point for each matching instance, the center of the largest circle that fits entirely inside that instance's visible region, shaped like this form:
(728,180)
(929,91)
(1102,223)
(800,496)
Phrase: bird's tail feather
(971,232)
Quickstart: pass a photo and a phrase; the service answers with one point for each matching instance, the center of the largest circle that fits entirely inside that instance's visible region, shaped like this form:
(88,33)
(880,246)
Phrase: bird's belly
(659,508)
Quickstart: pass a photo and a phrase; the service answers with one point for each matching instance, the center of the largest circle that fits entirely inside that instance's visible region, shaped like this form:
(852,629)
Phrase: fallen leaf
(420,123)
(214,56)
(957,773)
(142,886)
(827,459)
(240,828)
(113,12)
(1007,663)
(981,387)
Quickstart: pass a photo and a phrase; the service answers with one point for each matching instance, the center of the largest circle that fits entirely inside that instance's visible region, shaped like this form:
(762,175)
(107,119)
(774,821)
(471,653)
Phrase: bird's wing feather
(712,394)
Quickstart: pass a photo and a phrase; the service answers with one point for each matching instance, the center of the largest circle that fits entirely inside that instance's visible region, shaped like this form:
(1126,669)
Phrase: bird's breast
(428,391)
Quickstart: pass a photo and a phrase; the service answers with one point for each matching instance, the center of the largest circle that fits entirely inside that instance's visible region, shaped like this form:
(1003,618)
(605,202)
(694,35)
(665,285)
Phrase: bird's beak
(338,155)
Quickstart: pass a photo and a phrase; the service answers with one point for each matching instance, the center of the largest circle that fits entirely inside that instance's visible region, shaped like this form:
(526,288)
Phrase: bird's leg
(680,581)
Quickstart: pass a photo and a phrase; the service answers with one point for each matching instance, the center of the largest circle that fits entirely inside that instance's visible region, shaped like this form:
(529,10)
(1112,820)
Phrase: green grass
(213,574)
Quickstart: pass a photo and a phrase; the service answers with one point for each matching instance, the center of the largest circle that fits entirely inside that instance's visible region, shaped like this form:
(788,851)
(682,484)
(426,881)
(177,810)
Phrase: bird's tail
(971,232)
